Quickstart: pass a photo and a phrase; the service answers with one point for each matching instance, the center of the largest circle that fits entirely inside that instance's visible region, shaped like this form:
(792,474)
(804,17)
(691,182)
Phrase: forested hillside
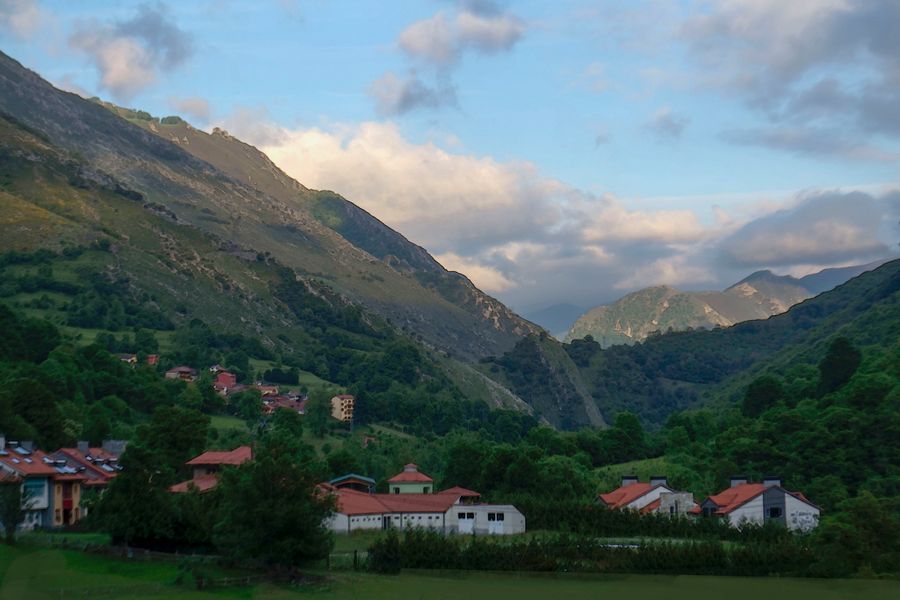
(676,371)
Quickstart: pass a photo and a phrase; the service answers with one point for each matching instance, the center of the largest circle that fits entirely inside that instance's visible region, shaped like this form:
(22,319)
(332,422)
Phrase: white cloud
(535,240)
(129,55)
(485,278)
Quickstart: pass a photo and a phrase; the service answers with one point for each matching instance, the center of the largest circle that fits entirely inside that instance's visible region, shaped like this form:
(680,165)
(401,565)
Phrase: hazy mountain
(659,309)
(557,319)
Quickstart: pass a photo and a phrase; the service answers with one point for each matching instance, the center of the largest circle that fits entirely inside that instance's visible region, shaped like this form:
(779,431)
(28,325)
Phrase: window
(426,490)
(396,490)
(775,512)
(470,515)
(492,516)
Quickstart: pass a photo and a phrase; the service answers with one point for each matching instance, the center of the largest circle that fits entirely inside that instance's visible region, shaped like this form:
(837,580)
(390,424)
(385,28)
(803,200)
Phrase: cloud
(441,40)
(485,278)
(21,18)
(811,141)
(396,96)
(438,45)
(194,106)
(667,125)
(252,125)
(129,55)
(822,229)
(807,64)
(534,240)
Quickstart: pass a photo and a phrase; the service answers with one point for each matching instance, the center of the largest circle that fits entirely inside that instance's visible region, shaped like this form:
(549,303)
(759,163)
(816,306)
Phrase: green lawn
(31,573)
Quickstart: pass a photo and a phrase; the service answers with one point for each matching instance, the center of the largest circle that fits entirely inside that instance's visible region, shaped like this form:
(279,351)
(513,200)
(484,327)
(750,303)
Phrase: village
(56,485)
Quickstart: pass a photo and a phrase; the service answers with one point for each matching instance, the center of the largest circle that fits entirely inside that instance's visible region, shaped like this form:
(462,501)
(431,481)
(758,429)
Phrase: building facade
(342,407)
(761,503)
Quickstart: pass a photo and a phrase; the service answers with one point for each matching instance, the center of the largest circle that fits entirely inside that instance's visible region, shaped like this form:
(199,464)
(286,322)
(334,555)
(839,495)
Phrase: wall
(412,488)
(800,515)
(647,498)
(513,520)
(751,512)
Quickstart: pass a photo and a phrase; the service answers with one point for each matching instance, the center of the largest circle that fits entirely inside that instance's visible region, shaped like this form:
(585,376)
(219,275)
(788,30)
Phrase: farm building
(454,510)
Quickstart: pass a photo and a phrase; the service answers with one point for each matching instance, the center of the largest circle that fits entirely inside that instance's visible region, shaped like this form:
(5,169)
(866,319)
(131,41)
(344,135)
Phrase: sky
(554,152)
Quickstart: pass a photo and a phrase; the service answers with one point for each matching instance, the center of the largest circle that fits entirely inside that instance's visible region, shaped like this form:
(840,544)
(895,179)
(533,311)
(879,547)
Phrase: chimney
(771,481)
(114,447)
(2,441)
(28,445)
(84,447)
(629,479)
(738,480)
(659,480)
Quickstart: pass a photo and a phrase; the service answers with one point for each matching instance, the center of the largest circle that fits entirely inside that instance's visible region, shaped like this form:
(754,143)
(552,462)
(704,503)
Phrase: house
(153,359)
(273,403)
(342,407)
(206,467)
(454,510)
(225,380)
(99,465)
(131,359)
(265,389)
(760,503)
(183,373)
(654,496)
(51,488)
(410,481)
(20,462)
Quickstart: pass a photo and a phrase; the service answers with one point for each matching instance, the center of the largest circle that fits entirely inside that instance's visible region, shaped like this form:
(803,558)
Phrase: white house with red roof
(654,496)
(454,510)
(760,503)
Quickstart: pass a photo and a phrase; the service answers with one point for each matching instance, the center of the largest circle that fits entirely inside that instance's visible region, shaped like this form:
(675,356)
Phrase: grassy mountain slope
(232,192)
(658,309)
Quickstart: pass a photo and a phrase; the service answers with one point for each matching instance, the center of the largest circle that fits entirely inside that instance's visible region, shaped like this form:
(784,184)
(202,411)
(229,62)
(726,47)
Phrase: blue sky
(564,151)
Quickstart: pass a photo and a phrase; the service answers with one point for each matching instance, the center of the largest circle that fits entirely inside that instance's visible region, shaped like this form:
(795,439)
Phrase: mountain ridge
(760,295)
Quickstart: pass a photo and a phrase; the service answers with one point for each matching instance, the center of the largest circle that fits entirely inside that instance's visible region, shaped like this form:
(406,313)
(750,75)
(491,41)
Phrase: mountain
(557,319)
(231,192)
(657,309)
(113,220)
(672,372)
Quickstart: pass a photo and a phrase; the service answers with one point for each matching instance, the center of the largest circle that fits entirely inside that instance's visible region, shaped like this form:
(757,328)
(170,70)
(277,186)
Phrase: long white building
(454,510)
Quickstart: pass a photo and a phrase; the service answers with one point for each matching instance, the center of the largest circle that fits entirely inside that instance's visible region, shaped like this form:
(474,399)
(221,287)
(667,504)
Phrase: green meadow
(30,573)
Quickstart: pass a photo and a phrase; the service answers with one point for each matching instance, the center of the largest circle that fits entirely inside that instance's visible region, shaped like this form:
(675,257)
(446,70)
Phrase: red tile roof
(352,502)
(238,456)
(736,496)
(410,474)
(625,495)
(95,474)
(27,464)
(203,484)
(650,507)
(460,492)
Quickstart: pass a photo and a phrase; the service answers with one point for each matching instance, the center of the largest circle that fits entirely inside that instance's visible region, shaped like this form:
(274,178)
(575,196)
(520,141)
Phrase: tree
(838,366)
(13,503)
(137,506)
(247,405)
(762,394)
(175,434)
(318,412)
(271,510)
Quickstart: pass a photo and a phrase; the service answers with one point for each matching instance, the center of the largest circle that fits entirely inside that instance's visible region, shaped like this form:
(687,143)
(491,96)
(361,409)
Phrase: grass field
(31,573)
